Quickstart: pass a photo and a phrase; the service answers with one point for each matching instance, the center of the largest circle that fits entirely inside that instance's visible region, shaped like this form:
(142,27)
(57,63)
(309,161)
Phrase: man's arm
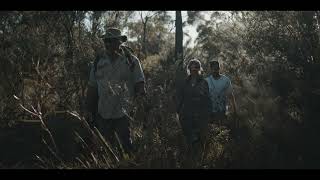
(92,92)
(138,78)
(92,97)
(232,102)
(231,98)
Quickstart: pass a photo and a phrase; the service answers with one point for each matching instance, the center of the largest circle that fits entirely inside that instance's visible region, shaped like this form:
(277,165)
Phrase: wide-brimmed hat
(114,33)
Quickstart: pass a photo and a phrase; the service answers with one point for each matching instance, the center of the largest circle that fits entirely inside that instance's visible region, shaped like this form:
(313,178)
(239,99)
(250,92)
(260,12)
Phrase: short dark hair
(214,63)
(111,40)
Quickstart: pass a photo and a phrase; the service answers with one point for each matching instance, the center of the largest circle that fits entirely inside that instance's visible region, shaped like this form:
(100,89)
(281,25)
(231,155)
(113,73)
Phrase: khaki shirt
(115,82)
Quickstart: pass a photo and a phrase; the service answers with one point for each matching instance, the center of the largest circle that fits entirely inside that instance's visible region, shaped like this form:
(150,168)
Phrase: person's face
(112,44)
(194,69)
(215,69)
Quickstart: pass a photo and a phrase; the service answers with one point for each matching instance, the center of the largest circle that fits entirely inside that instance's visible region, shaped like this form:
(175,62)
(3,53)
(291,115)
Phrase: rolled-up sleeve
(92,80)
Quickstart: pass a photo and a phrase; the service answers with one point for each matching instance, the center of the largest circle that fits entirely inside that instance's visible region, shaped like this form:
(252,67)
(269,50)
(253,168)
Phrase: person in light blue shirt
(220,92)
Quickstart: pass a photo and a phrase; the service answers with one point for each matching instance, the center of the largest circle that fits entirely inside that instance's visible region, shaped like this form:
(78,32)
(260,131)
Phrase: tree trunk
(95,22)
(144,36)
(180,73)
(179,37)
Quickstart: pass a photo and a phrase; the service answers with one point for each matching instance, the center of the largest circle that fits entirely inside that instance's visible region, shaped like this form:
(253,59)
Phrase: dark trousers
(121,126)
(195,132)
(218,117)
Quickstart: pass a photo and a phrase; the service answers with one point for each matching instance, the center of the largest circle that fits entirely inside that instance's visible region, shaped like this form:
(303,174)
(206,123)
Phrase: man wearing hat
(115,77)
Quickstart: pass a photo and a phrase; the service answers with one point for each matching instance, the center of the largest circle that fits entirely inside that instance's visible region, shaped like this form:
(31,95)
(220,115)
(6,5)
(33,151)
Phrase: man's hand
(140,98)
(139,89)
(140,106)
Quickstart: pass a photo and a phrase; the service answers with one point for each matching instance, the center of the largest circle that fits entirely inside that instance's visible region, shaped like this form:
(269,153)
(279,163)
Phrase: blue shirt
(218,91)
